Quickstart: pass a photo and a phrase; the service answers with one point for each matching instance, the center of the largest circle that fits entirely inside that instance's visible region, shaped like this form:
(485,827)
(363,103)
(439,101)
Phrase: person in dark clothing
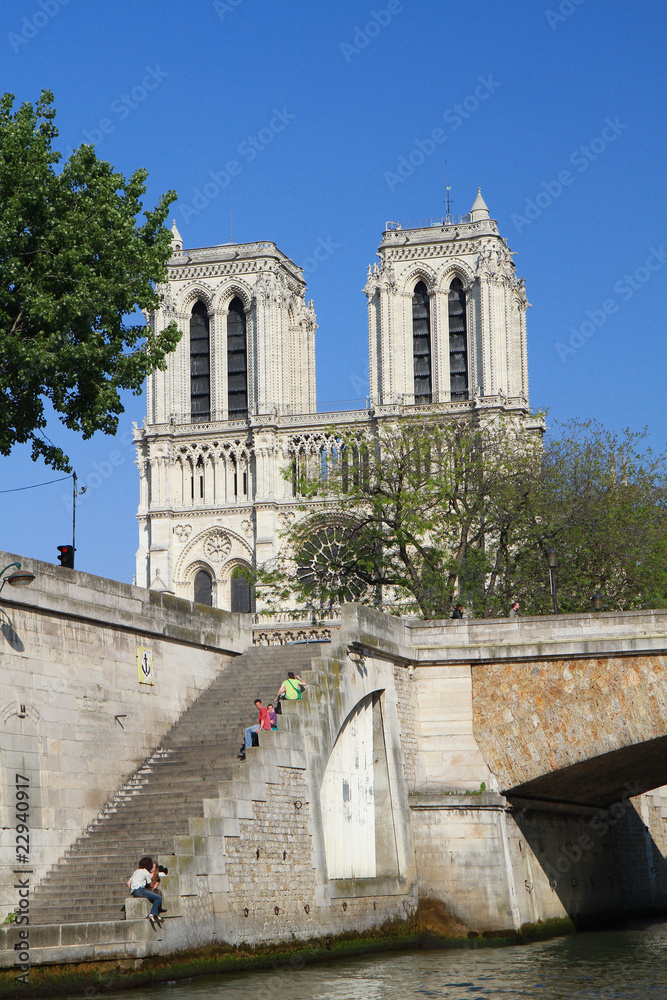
(458,611)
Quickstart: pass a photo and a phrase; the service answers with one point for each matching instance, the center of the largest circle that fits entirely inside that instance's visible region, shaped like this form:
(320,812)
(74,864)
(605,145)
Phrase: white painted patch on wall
(348,798)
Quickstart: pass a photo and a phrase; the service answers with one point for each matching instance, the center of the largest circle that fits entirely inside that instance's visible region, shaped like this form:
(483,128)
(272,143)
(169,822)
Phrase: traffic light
(66,557)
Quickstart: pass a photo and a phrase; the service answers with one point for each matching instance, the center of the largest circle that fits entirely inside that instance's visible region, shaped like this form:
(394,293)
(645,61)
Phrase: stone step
(79,915)
(167,790)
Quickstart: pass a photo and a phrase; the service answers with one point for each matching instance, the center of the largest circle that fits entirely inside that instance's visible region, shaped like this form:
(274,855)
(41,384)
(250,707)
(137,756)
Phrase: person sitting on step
(291,687)
(263,723)
(272,715)
(156,871)
(137,885)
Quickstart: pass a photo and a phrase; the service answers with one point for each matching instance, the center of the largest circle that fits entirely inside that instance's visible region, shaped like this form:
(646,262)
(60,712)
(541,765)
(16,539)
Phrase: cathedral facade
(234,414)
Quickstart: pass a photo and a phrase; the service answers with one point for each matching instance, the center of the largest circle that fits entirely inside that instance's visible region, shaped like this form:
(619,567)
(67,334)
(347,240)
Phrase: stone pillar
(440,378)
(251,359)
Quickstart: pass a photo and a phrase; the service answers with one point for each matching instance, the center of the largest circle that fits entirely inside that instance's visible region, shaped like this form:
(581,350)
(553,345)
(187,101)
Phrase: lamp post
(552,559)
(17,579)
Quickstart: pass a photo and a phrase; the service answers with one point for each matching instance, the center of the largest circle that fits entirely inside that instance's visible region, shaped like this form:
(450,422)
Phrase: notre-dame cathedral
(236,406)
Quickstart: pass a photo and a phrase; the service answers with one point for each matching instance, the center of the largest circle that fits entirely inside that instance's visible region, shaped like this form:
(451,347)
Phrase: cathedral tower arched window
(243,593)
(237,362)
(421,343)
(458,341)
(200,371)
(203,588)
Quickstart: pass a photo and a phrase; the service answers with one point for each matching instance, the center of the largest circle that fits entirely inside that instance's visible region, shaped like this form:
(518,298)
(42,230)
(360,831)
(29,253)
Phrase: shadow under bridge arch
(357,797)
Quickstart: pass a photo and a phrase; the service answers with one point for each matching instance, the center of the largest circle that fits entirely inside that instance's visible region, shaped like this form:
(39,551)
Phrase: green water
(627,964)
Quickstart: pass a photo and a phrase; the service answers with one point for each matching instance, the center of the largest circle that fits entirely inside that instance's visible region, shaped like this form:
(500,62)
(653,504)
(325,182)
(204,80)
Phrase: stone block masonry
(389,781)
(75,717)
(268,831)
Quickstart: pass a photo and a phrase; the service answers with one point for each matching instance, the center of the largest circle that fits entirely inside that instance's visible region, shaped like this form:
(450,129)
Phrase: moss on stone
(93,977)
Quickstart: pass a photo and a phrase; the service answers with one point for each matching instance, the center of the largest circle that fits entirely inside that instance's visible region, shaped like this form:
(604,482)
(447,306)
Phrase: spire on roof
(176,239)
(479,210)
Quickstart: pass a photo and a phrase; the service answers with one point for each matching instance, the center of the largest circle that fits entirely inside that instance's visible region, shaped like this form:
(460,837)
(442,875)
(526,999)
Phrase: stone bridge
(509,771)
(564,719)
(569,709)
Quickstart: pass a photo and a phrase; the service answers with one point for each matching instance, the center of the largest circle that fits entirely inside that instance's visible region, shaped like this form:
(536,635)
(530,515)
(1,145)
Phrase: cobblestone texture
(538,717)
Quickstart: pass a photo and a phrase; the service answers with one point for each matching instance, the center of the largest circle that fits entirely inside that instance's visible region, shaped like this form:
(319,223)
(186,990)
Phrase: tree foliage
(600,502)
(424,513)
(76,265)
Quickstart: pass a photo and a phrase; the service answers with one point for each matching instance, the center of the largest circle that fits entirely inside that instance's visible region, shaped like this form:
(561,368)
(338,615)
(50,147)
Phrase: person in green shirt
(291,687)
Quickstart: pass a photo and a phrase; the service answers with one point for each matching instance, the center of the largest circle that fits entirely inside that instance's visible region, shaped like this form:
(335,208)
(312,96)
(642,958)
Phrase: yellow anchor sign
(145,669)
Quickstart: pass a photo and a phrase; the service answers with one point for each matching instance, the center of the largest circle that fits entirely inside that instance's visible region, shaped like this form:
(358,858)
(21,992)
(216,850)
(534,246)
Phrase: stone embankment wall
(262,842)
(76,714)
(256,868)
(386,749)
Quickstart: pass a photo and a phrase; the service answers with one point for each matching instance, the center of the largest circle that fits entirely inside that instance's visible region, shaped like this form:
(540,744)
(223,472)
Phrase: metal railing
(433,223)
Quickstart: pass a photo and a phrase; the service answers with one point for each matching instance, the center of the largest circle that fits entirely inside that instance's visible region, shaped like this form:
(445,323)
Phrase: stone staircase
(166,791)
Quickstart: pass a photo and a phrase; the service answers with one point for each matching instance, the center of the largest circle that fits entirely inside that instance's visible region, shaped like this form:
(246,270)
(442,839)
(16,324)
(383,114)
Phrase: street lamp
(598,601)
(552,559)
(18,578)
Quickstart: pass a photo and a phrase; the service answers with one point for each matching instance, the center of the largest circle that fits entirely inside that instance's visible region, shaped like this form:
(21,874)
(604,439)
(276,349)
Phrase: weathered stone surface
(255,868)
(587,730)
(74,718)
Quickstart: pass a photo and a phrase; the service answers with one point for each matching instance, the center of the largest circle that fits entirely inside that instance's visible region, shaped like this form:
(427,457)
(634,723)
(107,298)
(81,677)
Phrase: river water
(623,965)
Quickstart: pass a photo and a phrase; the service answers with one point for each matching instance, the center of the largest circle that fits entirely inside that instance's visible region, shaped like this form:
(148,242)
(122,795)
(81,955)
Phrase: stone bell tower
(209,459)
(233,418)
(248,345)
(447,315)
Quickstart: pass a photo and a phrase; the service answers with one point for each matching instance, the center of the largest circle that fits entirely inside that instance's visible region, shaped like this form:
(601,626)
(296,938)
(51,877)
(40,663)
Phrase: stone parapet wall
(478,640)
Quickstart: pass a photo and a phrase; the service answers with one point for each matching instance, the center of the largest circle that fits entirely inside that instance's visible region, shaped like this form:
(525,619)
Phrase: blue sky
(555,108)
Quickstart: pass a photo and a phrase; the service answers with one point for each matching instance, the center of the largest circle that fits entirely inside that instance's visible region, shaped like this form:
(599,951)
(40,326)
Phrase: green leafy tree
(425,509)
(428,512)
(77,268)
(600,502)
